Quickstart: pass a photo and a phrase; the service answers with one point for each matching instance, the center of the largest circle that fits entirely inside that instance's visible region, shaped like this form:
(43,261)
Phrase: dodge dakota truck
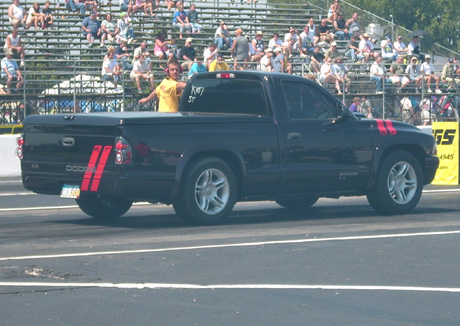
(238,136)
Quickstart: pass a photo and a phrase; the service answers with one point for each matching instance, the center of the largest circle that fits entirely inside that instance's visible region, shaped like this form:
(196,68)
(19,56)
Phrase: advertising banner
(446,135)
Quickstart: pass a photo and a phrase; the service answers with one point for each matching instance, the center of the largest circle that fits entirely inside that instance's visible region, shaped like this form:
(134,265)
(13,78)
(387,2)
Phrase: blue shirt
(196,68)
(10,65)
(182,14)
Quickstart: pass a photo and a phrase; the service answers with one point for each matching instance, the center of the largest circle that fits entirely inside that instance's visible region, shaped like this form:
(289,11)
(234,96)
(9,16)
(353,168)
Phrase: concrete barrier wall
(10,165)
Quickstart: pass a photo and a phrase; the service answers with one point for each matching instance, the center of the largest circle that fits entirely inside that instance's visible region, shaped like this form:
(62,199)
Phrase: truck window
(304,101)
(225,96)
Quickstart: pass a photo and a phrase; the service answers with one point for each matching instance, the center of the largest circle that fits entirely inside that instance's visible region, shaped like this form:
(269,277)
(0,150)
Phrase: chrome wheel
(212,191)
(402,183)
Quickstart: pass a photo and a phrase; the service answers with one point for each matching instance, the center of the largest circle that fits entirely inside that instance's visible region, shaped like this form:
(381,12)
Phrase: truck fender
(225,152)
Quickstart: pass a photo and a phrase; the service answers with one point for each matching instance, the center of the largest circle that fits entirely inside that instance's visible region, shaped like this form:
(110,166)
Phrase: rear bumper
(430,168)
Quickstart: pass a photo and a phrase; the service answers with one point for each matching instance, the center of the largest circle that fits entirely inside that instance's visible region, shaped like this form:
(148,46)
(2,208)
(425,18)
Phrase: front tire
(208,193)
(103,208)
(398,186)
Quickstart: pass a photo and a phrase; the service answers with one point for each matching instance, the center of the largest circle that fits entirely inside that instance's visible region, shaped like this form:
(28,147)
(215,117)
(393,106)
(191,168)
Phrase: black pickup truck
(238,136)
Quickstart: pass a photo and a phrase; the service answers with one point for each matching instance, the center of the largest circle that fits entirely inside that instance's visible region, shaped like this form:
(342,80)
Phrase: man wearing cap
(448,74)
(400,47)
(91,28)
(367,47)
(378,75)
(340,27)
(125,28)
(332,52)
(169,90)
(11,71)
(240,50)
(427,71)
(278,61)
(266,63)
(259,47)
(187,54)
(388,51)
(222,37)
(413,73)
(292,41)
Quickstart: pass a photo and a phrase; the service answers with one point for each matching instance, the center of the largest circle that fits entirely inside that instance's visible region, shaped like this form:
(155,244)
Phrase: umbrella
(418,33)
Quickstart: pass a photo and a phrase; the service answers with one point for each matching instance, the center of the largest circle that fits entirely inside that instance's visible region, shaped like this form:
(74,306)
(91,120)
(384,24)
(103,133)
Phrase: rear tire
(208,193)
(398,186)
(297,204)
(103,208)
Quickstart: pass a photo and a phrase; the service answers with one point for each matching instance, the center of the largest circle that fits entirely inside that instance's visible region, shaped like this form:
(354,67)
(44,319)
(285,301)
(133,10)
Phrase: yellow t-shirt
(215,66)
(167,94)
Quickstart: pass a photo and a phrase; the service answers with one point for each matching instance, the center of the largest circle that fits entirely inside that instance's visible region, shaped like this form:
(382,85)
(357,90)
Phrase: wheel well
(228,157)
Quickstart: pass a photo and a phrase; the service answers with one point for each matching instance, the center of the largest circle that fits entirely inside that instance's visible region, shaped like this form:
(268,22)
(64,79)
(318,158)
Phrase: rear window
(225,96)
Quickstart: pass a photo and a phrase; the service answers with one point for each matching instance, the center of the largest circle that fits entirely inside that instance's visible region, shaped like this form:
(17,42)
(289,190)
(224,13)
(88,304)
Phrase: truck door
(321,152)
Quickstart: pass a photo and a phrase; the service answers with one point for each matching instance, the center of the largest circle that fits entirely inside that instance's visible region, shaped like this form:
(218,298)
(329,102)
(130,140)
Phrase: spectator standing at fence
(91,28)
(141,72)
(187,54)
(13,42)
(222,37)
(397,74)
(111,70)
(240,50)
(317,59)
(11,71)
(388,51)
(413,73)
(400,47)
(340,27)
(426,110)
(448,74)
(210,54)
(16,14)
(354,26)
(180,21)
(365,107)
(125,28)
(48,19)
(218,64)
(35,16)
(194,19)
(378,76)
(355,105)
(427,71)
(407,110)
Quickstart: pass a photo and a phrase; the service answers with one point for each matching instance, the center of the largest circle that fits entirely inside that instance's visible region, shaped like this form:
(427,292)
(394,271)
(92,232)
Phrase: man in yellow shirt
(169,90)
(218,64)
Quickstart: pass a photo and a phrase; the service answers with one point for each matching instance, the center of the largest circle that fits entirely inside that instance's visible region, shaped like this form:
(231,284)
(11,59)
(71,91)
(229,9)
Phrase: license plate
(70,191)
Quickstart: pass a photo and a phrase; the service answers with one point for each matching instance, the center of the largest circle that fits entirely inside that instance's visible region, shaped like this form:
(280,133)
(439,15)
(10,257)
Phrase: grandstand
(63,74)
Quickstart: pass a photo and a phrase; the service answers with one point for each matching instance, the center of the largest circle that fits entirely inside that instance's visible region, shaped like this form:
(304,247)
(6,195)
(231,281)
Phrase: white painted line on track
(18,194)
(141,286)
(18,209)
(231,245)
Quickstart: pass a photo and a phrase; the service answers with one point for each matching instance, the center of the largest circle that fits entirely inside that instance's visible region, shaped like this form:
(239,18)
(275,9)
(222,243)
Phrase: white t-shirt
(427,68)
(13,41)
(110,64)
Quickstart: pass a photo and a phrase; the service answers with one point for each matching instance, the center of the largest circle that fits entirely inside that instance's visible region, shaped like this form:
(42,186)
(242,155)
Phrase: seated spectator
(91,28)
(413,73)
(13,42)
(180,20)
(312,31)
(11,71)
(413,49)
(141,72)
(388,51)
(48,19)
(146,5)
(378,75)
(127,6)
(332,52)
(218,64)
(307,41)
(173,3)
(292,42)
(278,60)
(352,50)
(222,37)
(367,48)
(317,59)
(449,75)
(340,28)
(400,47)
(73,7)
(161,48)
(122,55)
(334,9)
(210,54)
(187,54)
(142,51)
(327,75)
(109,30)
(16,14)
(125,28)
(35,16)
(275,42)
(355,105)
(397,74)
(197,67)
(111,70)
(90,5)
(258,46)
(266,62)
(173,50)
(354,26)
(323,33)
(427,71)
(341,73)
(193,19)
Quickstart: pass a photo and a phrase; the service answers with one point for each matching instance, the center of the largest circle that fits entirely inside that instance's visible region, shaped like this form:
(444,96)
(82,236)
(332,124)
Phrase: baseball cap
(239,31)
(413,59)
(365,35)
(122,14)
(268,50)
(93,12)
(334,43)
(427,56)
(259,33)
(277,50)
(188,40)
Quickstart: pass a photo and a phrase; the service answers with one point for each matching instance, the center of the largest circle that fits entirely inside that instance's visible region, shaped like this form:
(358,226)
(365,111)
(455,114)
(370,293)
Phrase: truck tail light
(123,152)
(225,75)
(20,143)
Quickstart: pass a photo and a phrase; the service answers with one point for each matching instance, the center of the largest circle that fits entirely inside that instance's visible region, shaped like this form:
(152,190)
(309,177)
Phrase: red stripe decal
(390,127)
(90,167)
(100,168)
(381,126)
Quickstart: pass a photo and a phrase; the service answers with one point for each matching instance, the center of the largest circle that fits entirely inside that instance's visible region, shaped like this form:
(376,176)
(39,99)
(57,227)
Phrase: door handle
(294,136)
